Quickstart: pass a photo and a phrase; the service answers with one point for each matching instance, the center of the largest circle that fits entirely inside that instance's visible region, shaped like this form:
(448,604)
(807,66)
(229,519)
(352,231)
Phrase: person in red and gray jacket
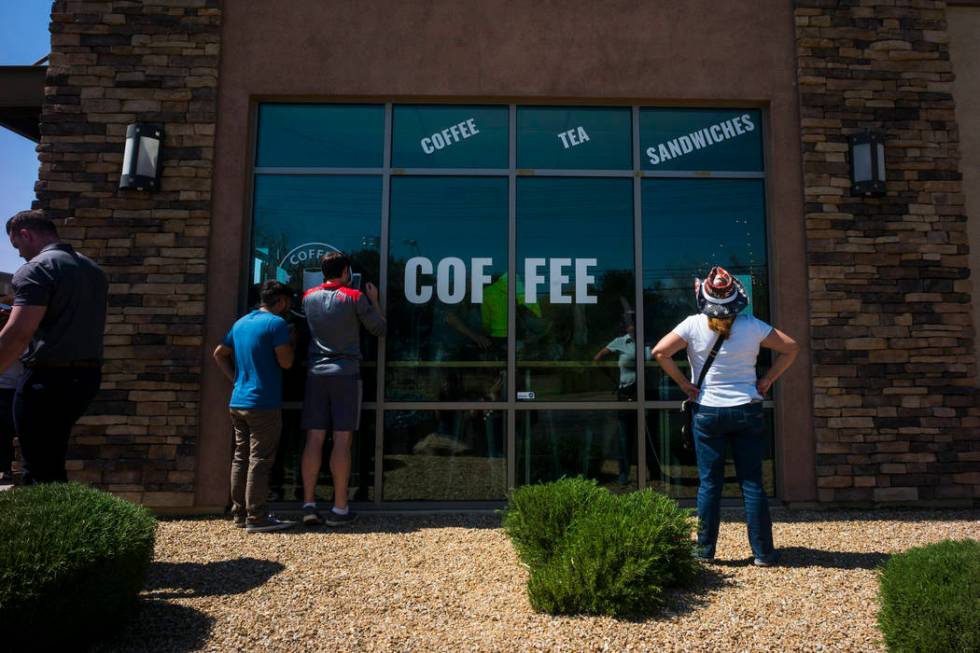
(334,312)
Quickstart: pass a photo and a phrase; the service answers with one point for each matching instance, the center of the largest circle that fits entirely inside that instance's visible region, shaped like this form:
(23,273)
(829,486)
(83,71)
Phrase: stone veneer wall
(894,361)
(112,64)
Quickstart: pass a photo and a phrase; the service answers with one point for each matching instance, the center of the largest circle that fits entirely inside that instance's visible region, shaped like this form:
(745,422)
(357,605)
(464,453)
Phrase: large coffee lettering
(451,279)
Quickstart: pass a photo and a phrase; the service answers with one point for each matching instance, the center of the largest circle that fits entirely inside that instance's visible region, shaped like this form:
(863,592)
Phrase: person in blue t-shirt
(253,354)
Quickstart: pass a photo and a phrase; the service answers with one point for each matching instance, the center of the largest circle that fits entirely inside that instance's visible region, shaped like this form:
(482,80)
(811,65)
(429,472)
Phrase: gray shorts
(332,403)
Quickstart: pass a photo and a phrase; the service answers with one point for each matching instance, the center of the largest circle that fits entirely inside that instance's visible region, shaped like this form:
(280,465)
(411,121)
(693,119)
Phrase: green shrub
(537,516)
(72,563)
(593,552)
(930,599)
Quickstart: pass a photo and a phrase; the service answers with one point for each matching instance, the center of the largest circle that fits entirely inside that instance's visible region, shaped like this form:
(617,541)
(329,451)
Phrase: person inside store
(253,355)
(58,315)
(335,312)
(727,403)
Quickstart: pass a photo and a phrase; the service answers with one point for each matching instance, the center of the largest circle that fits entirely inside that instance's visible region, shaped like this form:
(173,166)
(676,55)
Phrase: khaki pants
(257,435)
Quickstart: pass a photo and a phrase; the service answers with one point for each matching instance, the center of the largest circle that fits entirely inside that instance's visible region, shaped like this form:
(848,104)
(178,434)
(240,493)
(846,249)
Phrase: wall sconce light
(868,163)
(141,159)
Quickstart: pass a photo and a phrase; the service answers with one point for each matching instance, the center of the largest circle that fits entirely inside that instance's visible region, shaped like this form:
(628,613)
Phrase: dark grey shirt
(334,313)
(74,289)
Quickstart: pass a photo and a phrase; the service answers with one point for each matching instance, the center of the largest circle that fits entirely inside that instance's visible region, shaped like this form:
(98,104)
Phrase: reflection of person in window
(625,348)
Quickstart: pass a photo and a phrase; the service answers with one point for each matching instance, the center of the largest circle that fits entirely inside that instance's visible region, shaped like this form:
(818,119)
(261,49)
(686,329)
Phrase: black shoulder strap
(711,358)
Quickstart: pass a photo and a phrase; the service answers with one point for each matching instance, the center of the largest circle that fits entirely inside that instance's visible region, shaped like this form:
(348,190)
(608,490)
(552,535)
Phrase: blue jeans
(745,428)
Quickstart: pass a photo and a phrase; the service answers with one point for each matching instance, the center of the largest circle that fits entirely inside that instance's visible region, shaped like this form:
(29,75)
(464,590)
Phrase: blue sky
(24,39)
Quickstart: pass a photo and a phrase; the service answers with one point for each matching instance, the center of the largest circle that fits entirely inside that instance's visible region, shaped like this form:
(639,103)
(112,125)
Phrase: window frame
(511,405)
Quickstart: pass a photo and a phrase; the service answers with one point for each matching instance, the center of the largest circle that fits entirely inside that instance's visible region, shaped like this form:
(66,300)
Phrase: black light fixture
(868,163)
(141,159)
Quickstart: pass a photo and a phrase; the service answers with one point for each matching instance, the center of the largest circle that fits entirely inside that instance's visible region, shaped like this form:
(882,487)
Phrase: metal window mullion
(531,172)
(612,405)
(379,411)
(702,174)
(445,405)
(639,342)
(450,172)
(511,422)
(295,170)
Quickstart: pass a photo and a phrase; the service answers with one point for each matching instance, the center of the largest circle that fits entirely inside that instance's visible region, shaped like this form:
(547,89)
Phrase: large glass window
(299,218)
(449,137)
(701,139)
(690,225)
(316,135)
(582,138)
(444,455)
(447,264)
(576,287)
(503,239)
(595,444)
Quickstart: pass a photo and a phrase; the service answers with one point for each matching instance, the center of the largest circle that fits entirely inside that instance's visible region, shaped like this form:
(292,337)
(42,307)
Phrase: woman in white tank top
(728,406)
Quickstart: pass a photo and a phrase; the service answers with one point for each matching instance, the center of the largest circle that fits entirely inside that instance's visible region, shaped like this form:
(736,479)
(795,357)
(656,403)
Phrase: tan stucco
(697,52)
(964,47)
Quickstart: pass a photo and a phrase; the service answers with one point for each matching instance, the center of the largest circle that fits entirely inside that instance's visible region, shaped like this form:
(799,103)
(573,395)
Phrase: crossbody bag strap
(711,359)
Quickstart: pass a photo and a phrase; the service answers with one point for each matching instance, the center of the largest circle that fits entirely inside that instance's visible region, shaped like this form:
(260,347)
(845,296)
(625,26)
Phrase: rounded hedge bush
(537,516)
(930,599)
(72,563)
(592,552)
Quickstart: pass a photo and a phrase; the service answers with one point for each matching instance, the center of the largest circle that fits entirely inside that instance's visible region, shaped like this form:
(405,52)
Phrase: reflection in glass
(297,219)
(594,444)
(318,135)
(574,138)
(449,137)
(444,455)
(673,470)
(576,289)
(447,303)
(286,481)
(689,226)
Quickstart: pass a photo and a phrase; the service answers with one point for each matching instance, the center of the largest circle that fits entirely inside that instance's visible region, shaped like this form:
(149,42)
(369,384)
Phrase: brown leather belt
(89,363)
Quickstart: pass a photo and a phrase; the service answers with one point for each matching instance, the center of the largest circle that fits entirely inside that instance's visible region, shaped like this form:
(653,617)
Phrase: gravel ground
(453,583)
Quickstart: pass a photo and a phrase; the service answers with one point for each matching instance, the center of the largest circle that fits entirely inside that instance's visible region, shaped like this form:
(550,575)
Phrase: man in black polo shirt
(59,310)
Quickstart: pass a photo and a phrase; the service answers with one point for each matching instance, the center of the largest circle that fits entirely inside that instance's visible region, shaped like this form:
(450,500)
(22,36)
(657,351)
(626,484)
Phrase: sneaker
(333,519)
(770,560)
(239,522)
(270,523)
(311,517)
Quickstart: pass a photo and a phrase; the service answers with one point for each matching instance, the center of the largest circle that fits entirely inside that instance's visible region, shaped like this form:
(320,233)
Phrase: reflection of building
(882,406)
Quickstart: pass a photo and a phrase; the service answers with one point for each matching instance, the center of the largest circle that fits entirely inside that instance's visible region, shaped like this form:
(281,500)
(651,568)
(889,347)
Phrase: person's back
(74,289)
(727,403)
(58,317)
(260,345)
(731,379)
(258,375)
(332,399)
(334,313)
